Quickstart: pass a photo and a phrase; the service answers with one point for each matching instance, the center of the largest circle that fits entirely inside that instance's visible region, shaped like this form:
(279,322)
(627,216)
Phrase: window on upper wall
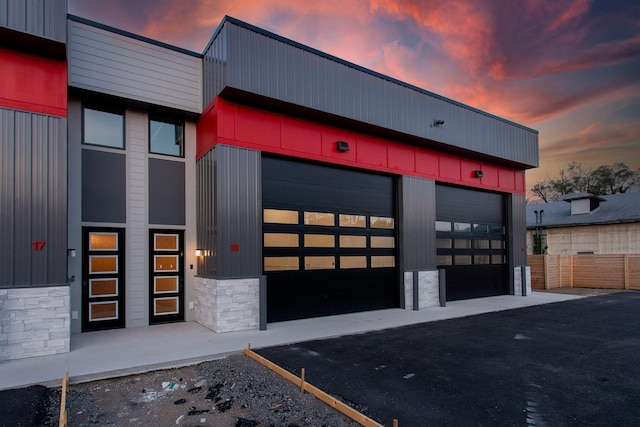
(103,127)
(166,137)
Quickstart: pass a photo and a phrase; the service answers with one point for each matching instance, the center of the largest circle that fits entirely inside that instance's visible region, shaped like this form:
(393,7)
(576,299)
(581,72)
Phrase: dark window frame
(175,122)
(111,109)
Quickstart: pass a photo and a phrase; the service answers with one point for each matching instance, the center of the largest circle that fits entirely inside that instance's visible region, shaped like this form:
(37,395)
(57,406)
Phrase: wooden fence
(585,271)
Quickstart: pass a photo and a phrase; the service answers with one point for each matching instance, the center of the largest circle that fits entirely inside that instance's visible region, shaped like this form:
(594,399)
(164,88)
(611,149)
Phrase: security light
(342,146)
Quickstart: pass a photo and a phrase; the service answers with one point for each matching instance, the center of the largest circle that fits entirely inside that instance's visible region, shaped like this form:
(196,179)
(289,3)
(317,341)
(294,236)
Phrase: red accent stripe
(225,122)
(33,83)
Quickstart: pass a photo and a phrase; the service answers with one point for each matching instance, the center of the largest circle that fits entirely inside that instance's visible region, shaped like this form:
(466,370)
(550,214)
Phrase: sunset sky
(569,69)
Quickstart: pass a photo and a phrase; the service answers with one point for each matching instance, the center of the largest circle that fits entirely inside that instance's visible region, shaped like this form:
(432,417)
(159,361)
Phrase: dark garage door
(329,240)
(471,242)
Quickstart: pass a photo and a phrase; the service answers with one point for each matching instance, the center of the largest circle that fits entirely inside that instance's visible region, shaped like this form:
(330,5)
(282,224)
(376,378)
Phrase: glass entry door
(166,273)
(103,279)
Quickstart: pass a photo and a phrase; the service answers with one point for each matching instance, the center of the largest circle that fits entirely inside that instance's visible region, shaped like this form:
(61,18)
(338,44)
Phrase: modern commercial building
(261,180)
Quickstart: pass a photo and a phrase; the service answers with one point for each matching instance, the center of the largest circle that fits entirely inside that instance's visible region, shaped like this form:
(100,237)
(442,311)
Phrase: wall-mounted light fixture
(342,146)
(199,252)
(478,173)
(71,253)
(437,123)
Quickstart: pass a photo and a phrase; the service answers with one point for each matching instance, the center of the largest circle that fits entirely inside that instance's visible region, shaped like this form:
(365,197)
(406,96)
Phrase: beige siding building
(585,224)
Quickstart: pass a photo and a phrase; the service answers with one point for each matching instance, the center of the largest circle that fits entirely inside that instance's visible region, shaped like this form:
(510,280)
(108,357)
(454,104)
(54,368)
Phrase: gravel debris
(235,391)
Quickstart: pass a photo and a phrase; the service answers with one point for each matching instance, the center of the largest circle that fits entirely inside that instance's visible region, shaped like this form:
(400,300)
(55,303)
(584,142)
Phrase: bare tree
(576,178)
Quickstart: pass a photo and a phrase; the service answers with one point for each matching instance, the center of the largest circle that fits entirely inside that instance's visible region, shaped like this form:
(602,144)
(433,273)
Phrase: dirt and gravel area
(235,391)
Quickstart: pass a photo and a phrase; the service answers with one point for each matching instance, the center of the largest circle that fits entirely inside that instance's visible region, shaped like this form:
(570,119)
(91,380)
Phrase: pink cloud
(535,62)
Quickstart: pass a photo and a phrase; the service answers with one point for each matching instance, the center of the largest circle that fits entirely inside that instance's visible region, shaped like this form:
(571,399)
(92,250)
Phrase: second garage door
(471,242)
(329,238)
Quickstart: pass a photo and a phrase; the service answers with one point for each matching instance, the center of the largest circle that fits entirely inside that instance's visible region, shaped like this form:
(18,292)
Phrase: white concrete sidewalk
(105,354)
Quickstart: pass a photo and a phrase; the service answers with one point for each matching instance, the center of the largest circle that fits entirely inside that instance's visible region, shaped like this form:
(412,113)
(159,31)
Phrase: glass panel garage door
(471,242)
(329,238)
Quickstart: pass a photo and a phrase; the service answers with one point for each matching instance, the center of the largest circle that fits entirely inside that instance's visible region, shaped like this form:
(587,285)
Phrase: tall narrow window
(166,137)
(103,127)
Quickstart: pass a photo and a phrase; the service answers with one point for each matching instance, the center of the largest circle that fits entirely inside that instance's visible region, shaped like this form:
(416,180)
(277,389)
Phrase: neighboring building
(142,183)
(587,224)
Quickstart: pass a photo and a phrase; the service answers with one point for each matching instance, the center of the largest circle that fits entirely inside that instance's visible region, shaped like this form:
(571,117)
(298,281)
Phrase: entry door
(166,273)
(103,279)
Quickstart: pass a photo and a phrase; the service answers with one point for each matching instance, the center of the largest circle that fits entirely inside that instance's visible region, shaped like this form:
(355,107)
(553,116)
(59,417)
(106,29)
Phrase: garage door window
(280,216)
(357,221)
(281,263)
(461,243)
(281,240)
(347,241)
(382,222)
(319,218)
(319,241)
(319,263)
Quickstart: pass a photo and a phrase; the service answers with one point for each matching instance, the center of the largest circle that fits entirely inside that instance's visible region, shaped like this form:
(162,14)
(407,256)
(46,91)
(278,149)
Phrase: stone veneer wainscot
(34,322)
(227,305)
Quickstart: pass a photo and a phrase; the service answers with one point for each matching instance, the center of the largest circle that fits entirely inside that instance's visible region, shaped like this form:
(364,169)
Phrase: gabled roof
(613,209)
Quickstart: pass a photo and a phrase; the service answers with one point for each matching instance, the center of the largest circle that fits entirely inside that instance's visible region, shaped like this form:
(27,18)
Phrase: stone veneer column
(518,288)
(34,322)
(428,288)
(227,305)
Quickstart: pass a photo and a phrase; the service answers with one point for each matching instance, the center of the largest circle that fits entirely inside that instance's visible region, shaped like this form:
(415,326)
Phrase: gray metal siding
(205,214)
(215,67)
(112,63)
(33,191)
(43,18)
(266,65)
(238,210)
(517,229)
(417,205)
(166,192)
(229,211)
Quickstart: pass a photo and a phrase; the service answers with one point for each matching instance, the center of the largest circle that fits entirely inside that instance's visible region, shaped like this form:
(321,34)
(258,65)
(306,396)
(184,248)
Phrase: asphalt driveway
(573,363)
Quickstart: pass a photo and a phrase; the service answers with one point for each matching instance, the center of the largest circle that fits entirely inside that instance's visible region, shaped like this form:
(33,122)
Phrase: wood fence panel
(566,271)
(536,262)
(552,265)
(633,272)
(599,271)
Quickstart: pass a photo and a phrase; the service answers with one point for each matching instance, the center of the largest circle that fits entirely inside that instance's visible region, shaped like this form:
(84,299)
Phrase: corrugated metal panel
(238,209)
(43,18)
(57,200)
(7,195)
(215,66)
(229,211)
(262,63)
(517,223)
(417,204)
(205,214)
(34,200)
(112,63)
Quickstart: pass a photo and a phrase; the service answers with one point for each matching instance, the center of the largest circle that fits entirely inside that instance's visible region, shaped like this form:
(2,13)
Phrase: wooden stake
(63,401)
(302,380)
(326,398)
